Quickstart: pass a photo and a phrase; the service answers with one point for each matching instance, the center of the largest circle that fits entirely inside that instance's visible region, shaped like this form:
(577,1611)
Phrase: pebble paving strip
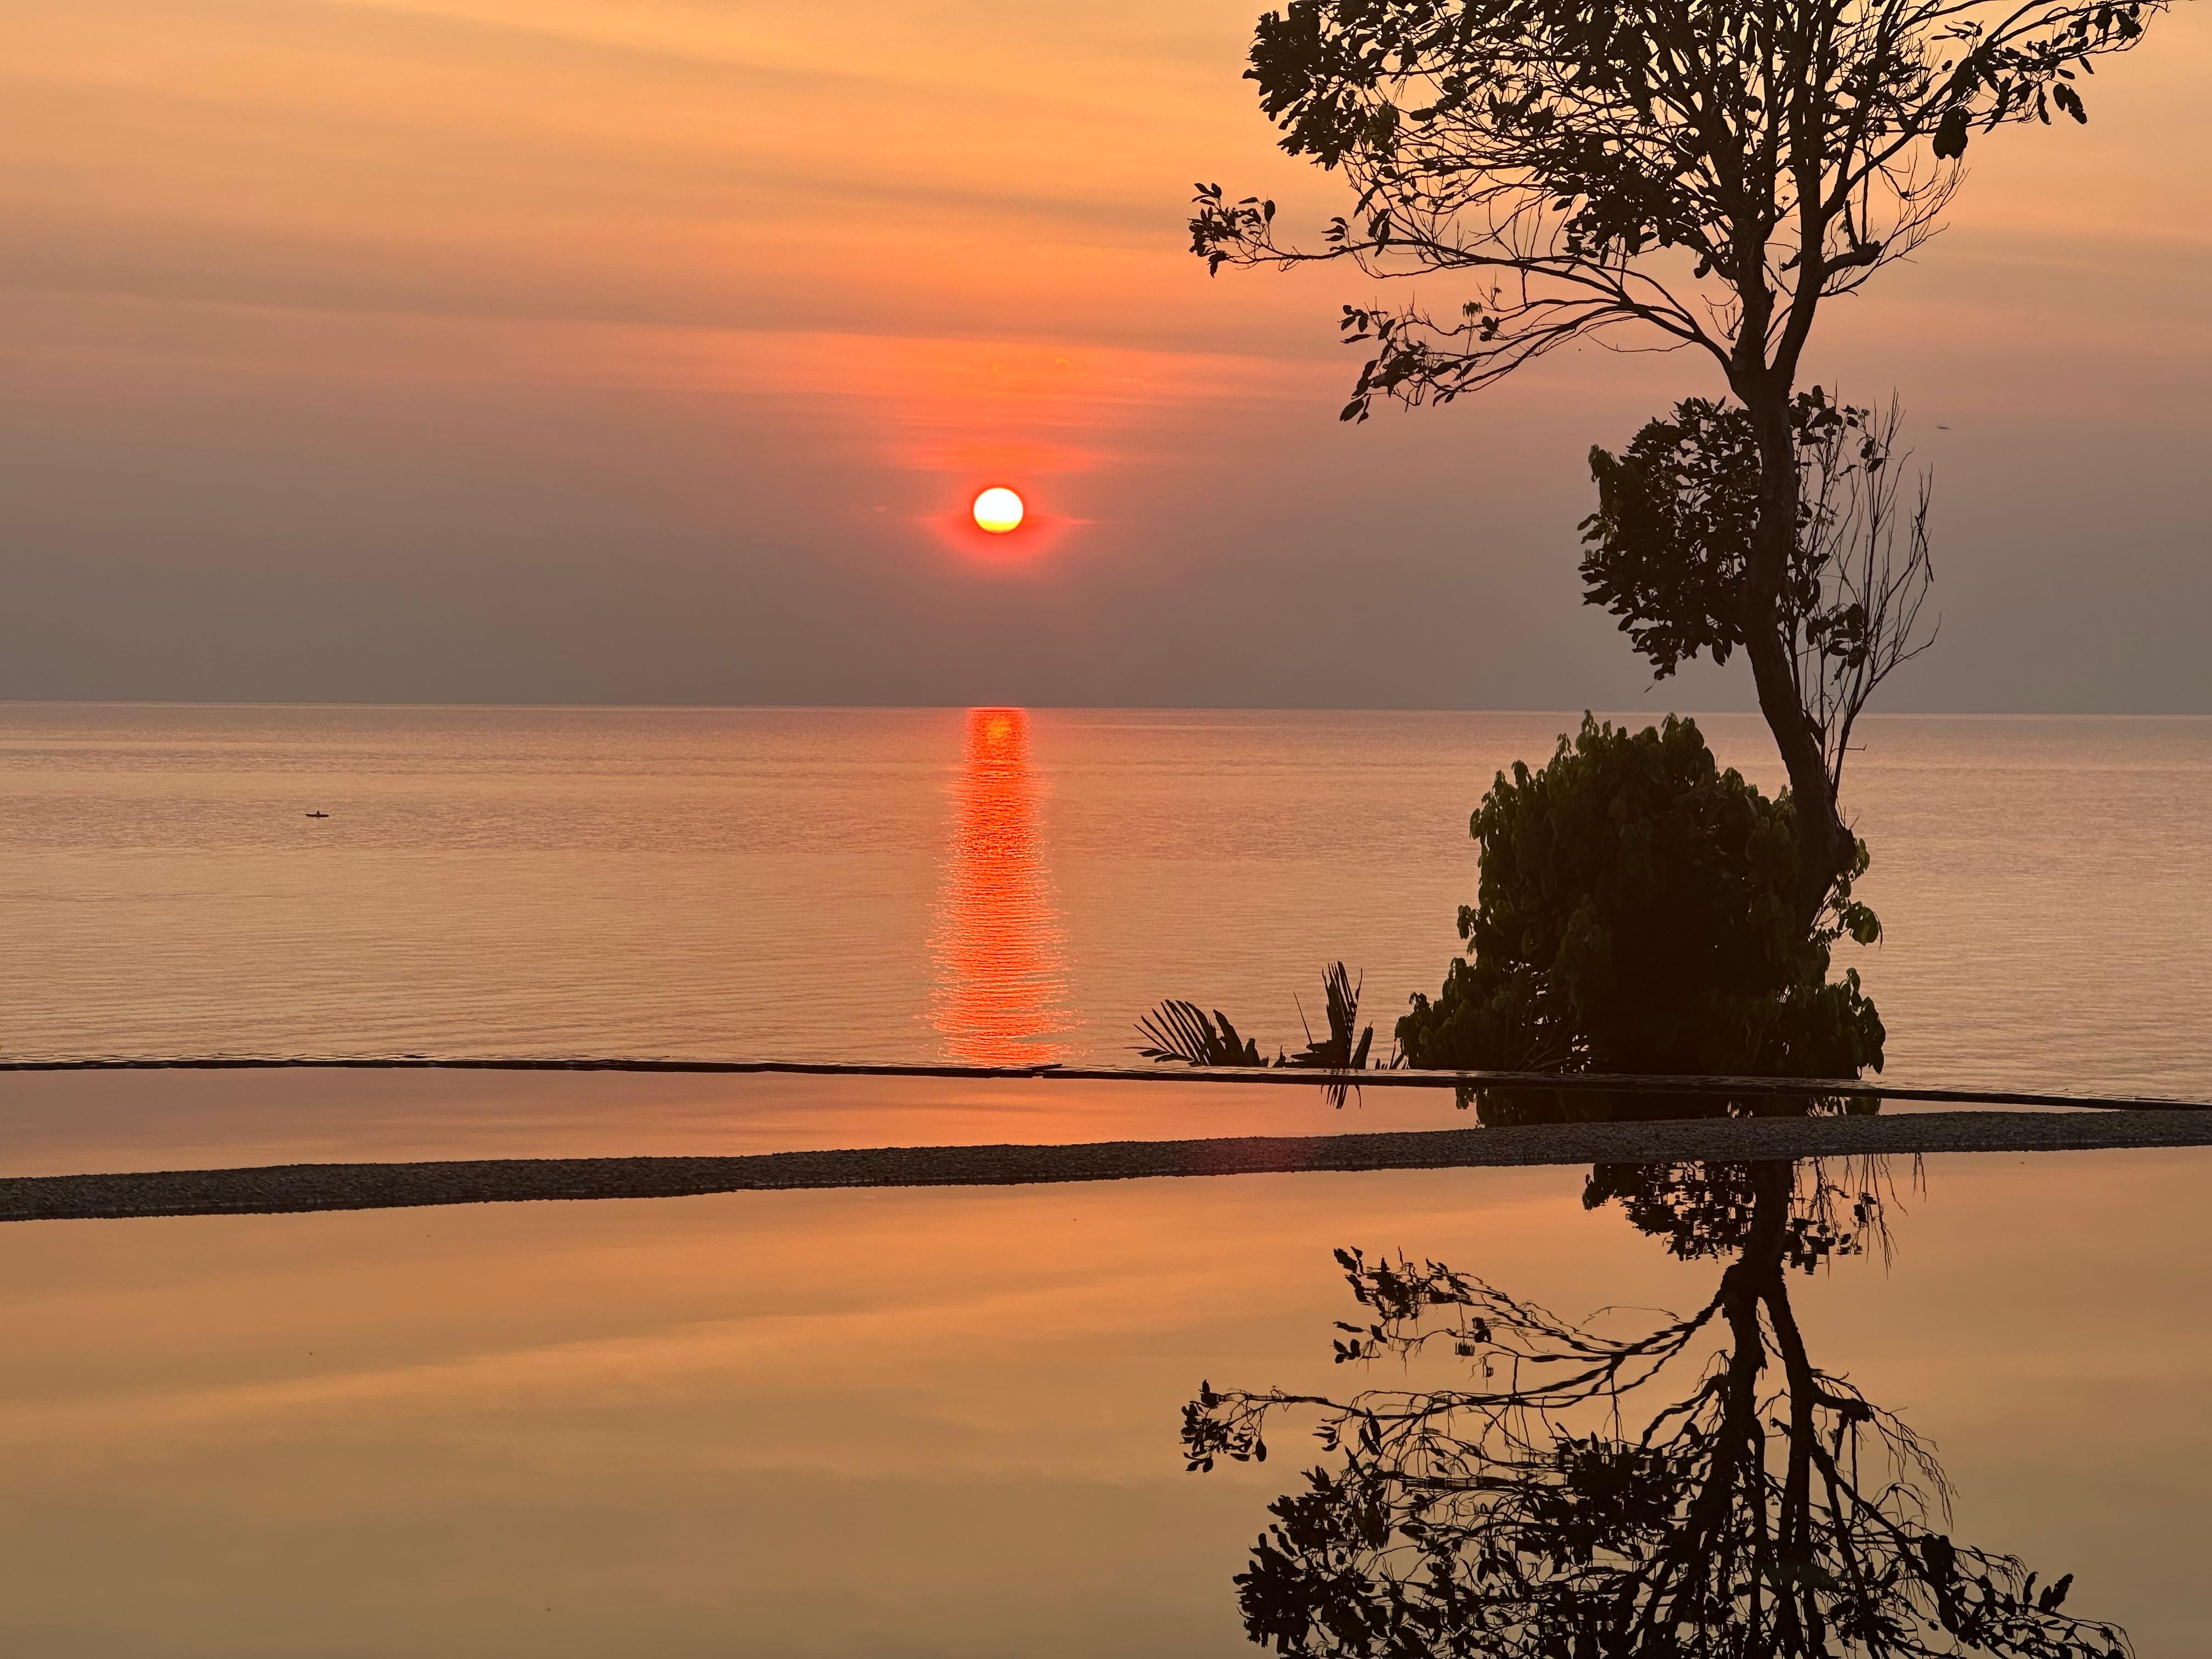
(295,1187)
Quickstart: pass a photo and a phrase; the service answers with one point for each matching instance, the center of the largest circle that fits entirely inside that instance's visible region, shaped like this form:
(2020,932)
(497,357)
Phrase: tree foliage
(1182,1033)
(1635,915)
(1669,551)
(1708,171)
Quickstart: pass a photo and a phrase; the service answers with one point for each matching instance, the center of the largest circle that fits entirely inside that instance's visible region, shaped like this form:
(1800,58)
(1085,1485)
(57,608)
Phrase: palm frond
(1340,1051)
(1184,1033)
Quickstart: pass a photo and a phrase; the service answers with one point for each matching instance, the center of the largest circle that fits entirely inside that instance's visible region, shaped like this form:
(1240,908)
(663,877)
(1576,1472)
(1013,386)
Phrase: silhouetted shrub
(1635,915)
(1182,1033)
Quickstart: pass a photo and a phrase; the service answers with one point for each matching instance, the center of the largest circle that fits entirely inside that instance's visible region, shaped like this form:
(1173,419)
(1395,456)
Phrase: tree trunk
(1824,843)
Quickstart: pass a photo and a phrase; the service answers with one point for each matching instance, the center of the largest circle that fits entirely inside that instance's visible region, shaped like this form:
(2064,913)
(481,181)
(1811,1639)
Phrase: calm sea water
(988,884)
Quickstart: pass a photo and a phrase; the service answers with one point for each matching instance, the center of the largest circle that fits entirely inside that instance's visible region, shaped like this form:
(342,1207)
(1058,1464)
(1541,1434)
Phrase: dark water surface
(989,885)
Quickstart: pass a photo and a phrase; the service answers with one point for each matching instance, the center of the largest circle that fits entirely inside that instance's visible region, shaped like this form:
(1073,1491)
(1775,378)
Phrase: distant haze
(587,351)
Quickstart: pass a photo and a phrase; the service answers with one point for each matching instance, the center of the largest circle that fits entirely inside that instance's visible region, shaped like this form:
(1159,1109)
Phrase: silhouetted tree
(1635,915)
(1670,552)
(1761,1509)
(1704,172)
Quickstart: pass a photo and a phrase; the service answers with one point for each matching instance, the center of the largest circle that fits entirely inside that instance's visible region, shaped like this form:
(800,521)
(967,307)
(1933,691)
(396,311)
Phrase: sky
(649,351)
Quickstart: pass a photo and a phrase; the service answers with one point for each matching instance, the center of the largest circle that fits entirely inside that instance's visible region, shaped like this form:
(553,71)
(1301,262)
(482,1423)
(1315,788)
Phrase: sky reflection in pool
(859,1423)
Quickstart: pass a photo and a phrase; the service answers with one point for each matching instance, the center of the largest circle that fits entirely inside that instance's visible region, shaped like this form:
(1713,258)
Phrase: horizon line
(611,706)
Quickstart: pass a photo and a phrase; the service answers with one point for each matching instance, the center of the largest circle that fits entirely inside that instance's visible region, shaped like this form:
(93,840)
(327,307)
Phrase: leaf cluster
(1179,1032)
(1708,169)
(1671,550)
(1671,545)
(1635,915)
(1702,1208)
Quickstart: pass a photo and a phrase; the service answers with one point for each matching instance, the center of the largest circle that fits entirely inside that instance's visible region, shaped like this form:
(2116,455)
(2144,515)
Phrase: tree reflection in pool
(1696,1490)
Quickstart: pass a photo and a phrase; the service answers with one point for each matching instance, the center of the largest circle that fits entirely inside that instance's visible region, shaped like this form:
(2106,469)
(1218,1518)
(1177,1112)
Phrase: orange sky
(587,350)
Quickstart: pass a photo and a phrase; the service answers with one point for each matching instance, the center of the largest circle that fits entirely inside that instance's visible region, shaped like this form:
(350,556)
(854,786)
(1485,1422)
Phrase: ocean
(949,1419)
(992,885)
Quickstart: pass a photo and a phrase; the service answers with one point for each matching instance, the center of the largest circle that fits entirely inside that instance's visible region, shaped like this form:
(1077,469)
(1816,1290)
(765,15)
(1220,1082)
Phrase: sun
(998,510)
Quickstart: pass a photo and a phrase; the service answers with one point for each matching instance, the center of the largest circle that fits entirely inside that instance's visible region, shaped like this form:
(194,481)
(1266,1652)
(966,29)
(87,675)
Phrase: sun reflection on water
(1001,993)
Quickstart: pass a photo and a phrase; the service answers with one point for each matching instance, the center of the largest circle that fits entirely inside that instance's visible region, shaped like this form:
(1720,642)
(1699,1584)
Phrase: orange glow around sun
(999,510)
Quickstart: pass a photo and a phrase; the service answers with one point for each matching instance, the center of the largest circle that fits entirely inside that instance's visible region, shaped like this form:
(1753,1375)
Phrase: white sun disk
(998,510)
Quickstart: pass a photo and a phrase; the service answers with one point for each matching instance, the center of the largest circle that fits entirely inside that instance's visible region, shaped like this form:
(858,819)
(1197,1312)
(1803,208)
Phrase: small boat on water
(318,815)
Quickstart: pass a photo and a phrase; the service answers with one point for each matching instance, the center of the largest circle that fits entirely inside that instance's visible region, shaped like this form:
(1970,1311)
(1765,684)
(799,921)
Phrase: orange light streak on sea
(1002,995)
